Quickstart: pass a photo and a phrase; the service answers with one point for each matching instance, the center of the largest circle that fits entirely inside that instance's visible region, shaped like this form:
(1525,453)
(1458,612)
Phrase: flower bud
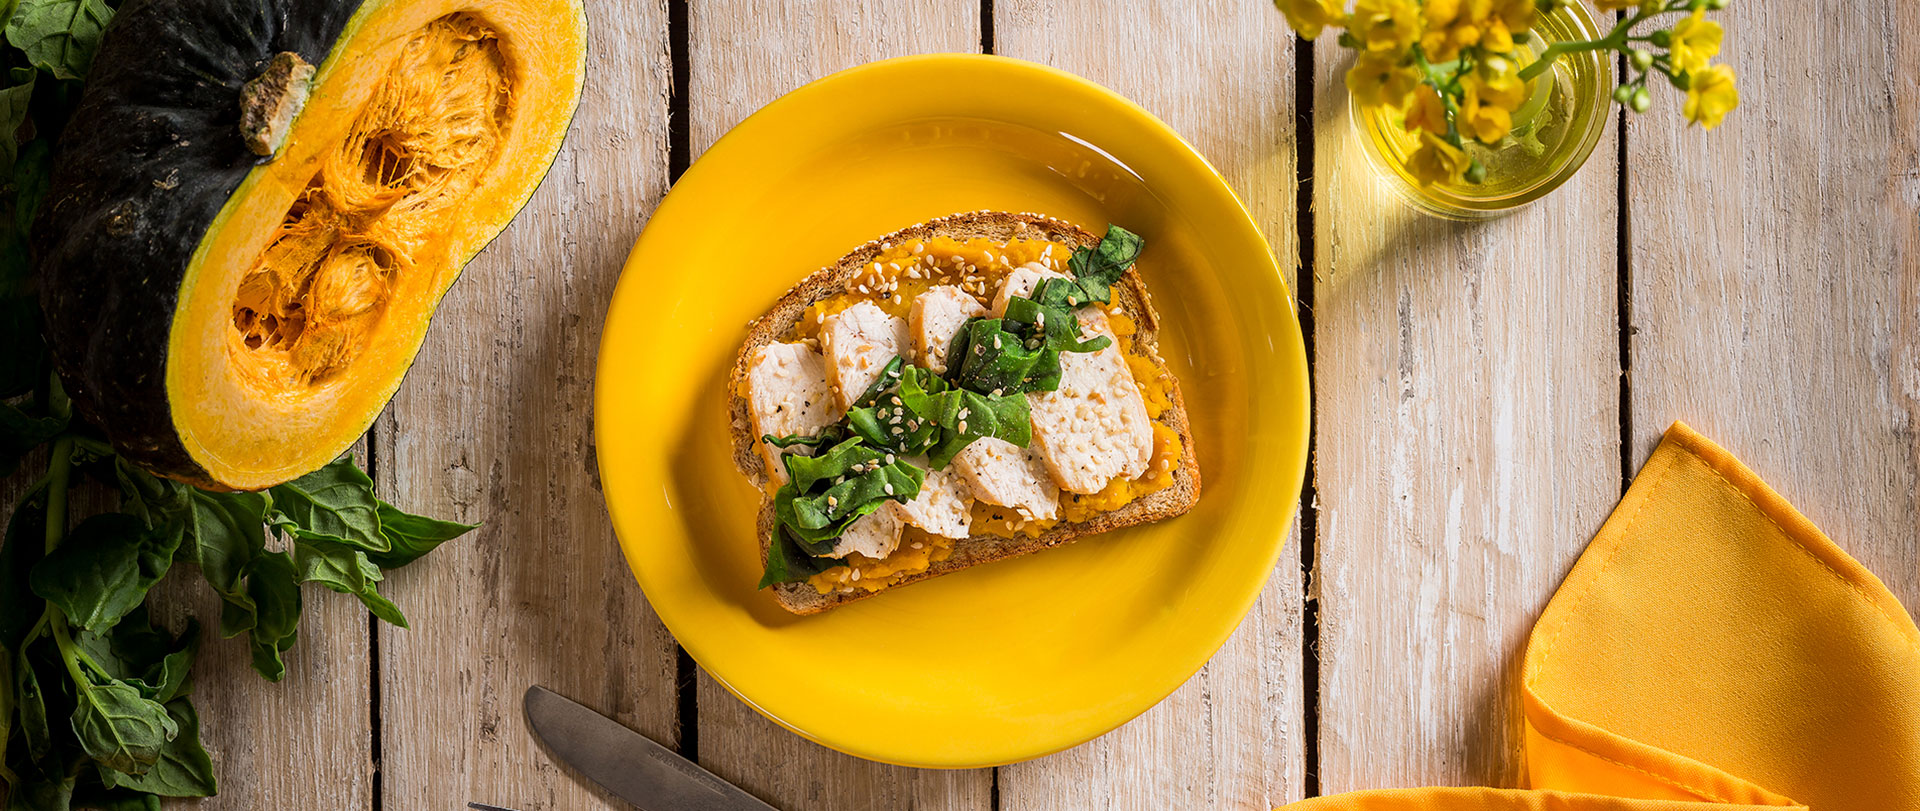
(1641,58)
(1623,93)
(1641,100)
(1477,172)
(1661,38)
(1716,5)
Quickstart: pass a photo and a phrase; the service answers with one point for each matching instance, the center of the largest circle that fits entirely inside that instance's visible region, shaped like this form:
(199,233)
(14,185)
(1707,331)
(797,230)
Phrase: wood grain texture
(1222,75)
(1776,271)
(743,54)
(1468,439)
(495,425)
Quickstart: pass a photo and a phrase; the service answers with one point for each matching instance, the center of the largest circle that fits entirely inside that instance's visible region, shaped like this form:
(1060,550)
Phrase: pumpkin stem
(270,101)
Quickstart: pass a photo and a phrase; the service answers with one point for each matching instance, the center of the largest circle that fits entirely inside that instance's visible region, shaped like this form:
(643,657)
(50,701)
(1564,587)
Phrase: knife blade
(629,764)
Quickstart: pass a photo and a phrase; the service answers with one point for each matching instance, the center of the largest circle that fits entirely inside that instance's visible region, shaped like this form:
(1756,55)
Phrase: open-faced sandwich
(976,387)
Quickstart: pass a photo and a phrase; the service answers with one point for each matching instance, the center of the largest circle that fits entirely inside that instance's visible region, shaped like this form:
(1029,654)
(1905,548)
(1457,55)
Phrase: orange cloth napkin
(1710,650)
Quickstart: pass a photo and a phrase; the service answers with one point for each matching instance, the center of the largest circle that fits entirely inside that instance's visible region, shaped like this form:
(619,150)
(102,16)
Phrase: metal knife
(630,765)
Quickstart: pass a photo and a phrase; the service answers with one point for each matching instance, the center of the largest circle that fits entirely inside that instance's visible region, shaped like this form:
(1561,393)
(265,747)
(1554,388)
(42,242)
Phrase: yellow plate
(1001,662)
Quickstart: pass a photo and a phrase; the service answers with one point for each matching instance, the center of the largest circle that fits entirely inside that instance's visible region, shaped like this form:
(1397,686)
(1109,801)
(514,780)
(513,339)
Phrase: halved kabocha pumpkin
(259,203)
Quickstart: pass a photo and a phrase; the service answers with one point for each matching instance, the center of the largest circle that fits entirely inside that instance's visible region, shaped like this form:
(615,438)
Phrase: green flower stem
(1615,40)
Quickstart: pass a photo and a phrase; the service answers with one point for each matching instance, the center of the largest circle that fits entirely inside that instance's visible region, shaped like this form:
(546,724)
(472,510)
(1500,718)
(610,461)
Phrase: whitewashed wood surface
(1482,394)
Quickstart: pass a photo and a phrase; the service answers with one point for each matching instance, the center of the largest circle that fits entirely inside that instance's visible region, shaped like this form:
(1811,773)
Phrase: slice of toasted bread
(1130,295)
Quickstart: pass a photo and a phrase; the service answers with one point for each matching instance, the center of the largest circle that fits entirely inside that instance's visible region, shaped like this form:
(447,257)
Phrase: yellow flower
(1711,95)
(1455,24)
(1695,40)
(1436,161)
(1310,16)
(1426,111)
(1497,81)
(1518,15)
(1483,121)
(1390,26)
(1377,78)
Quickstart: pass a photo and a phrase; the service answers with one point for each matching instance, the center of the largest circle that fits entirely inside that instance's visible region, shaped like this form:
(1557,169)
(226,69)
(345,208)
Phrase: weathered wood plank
(1222,75)
(1776,271)
(495,425)
(793,42)
(1468,440)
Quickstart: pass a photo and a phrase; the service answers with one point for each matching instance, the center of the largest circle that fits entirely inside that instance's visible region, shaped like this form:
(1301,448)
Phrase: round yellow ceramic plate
(1001,662)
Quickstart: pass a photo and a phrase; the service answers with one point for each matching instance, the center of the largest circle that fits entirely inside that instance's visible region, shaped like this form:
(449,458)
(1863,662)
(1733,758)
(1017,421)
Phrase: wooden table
(1483,394)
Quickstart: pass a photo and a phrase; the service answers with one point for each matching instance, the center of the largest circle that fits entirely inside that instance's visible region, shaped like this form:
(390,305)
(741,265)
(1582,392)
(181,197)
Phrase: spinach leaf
(828,437)
(1019,352)
(104,569)
(31,703)
(346,570)
(21,432)
(1096,269)
(182,769)
(162,504)
(411,537)
(13,115)
(20,608)
(334,503)
(228,532)
(59,36)
(889,375)
(892,425)
(150,659)
(119,728)
(45,793)
(841,459)
(273,588)
(788,563)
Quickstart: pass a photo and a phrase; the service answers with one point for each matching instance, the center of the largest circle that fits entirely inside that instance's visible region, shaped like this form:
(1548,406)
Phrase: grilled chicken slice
(1094,428)
(936,317)
(788,395)
(859,342)
(1000,472)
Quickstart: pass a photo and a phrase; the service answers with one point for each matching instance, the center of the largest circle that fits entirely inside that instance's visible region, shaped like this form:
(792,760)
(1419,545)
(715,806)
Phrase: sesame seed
(832,502)
(963,426)
(856,574)
(889,489)
(897,431)
(918,545)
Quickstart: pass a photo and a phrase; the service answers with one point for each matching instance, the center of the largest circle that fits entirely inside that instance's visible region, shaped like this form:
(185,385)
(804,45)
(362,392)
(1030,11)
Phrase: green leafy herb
(334,503)
(104,569)
(273,586)
(182,768)
(938,420)
(119,728)
(59,36)
(1095,270)
(410,537)
(349,571)
(823,496)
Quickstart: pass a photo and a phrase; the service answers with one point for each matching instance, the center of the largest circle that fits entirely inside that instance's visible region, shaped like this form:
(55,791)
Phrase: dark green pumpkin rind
(145,165)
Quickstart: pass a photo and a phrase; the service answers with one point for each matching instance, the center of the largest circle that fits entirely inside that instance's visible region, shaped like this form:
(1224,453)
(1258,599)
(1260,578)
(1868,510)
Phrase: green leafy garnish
(823,496)
(939,420)
(59,36)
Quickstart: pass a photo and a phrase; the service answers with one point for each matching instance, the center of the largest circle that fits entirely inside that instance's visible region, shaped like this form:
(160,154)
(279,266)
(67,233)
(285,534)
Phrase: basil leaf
(1097,269)
(104,569)
(995,359)
(273,588)
(1006,417)
(410,537)
(119,728)
(892,425)
(59,36)
(182,769)
(334,503)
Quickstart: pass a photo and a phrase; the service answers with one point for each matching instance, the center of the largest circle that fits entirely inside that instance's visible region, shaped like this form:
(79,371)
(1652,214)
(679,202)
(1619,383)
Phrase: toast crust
(1130,294)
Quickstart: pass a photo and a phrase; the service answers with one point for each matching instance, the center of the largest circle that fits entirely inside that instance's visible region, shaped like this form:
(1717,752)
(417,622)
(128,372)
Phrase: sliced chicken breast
(788,395)
(1000,472)
(1021,282)
(874,534)
(943,507)
(936,317)
(1094,428)
(859,341)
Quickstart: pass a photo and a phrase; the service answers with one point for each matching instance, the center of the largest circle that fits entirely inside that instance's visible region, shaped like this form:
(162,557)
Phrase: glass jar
(1554,132)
